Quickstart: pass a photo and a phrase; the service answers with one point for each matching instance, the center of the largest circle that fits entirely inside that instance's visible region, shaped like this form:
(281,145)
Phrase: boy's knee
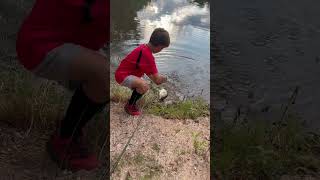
(101,74)
(143,88)
(99,81)
(103,84)
(146,88)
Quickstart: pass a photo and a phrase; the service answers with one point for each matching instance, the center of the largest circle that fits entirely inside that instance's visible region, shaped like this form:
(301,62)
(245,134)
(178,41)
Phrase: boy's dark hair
(160,37)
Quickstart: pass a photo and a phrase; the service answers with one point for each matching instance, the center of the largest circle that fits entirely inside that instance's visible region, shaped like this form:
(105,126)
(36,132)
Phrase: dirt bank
(161,148)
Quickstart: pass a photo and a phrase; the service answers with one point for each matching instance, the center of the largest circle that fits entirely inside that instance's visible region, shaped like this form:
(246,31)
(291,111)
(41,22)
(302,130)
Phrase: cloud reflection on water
(174,16)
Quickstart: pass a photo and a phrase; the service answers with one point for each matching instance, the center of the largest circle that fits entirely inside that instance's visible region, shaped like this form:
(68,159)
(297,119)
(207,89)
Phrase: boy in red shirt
(59,40)
(139,62)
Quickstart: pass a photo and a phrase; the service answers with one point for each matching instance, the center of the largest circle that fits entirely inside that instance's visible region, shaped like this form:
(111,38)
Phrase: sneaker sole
(130,113)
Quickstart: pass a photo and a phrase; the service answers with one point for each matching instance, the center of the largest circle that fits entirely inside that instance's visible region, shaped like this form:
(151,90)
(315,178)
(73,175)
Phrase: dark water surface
(186,61)
(264,50)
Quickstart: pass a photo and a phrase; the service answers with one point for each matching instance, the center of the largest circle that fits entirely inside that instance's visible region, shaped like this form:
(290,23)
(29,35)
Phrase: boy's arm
(157,78)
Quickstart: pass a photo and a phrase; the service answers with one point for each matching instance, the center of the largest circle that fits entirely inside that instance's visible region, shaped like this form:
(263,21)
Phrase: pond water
(186,61)
(264,50)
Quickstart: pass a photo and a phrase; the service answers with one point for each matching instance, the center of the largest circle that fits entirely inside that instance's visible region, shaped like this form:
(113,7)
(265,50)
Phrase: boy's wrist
(164,79)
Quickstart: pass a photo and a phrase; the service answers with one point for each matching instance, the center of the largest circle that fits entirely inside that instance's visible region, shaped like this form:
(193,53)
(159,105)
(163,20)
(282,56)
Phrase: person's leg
(81,109)
(140,85)
(135,96)
(89,67)
(72,62)
(139,88)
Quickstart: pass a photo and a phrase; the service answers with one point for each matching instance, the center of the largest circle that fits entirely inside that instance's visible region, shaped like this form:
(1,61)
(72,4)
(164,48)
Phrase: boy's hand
(158,78)
(164,78)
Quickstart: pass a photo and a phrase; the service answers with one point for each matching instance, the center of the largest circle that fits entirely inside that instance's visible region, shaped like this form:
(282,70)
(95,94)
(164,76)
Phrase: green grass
(119,93)
(156,147)
(181,152)
(200,146)
(26,106)
(266,151)
(146,166)
(187,109)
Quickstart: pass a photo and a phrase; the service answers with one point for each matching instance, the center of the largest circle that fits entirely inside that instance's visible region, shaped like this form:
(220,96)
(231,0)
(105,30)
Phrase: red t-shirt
(52,23)
(147,64)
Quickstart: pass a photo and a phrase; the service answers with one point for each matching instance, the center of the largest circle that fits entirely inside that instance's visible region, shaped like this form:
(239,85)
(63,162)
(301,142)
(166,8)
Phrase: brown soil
(160,149)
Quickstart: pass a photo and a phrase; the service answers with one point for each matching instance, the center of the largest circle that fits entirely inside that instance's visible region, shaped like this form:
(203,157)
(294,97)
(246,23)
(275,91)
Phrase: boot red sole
(132,113)
(62,164)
